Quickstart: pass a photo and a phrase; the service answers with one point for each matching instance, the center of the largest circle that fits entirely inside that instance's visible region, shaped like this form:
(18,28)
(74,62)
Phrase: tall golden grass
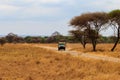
(102,49)
(26,62)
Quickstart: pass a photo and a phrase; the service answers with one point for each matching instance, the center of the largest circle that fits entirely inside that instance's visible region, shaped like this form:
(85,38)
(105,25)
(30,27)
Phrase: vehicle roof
(61,42)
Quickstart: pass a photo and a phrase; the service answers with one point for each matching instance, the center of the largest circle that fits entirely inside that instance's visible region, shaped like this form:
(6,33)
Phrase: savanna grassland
(27,62)
(101,49)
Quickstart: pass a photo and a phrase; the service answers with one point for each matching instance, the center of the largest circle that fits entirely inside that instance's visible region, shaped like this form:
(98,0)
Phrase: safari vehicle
(61,45)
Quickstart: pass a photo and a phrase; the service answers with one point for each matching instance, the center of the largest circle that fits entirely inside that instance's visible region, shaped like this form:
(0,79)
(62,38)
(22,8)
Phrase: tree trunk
(84,45)
(118,36)
(94,45)
(83,41)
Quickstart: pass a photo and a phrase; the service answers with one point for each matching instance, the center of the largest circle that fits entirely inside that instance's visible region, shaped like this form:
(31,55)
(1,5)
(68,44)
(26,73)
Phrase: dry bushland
(26,62)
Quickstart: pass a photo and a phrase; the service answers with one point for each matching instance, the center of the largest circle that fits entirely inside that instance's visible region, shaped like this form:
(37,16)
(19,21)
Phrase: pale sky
(43,17)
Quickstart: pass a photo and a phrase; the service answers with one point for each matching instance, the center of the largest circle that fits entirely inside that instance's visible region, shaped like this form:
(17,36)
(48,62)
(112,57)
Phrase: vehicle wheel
(58,49)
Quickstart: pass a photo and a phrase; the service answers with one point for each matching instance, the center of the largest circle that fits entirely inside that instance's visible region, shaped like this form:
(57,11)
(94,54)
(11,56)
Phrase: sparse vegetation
(24,61)
(2,41)
(28,62)
(90,24)
(103,49)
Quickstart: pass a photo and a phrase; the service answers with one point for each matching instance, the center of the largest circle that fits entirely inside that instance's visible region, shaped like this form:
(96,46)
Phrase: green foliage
(30,39)
(104,39)
(54,39)
(13,38)
(114,14)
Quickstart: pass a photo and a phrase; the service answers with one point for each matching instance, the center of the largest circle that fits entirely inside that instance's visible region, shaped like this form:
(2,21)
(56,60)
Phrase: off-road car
(61,45)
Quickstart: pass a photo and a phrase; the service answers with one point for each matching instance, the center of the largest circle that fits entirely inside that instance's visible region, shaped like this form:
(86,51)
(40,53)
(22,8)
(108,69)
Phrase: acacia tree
(11,37)
(81,24)
(80,35)
(97,23)
(114,17)
(91,24)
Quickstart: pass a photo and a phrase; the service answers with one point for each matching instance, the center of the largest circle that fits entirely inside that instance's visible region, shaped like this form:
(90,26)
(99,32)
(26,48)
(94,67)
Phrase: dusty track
(80,54)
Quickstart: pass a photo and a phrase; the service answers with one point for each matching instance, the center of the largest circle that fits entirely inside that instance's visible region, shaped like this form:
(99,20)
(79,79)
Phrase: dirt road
(80,54)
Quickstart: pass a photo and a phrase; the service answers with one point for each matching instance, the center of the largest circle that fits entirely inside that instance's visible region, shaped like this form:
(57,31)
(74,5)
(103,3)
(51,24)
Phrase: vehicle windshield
(61,43)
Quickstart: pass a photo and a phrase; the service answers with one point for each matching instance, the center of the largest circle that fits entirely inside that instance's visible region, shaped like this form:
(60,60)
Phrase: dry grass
(102,49)
(26,62)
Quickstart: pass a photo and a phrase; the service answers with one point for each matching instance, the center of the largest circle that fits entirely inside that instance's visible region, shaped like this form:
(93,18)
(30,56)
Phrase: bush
(2,41)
